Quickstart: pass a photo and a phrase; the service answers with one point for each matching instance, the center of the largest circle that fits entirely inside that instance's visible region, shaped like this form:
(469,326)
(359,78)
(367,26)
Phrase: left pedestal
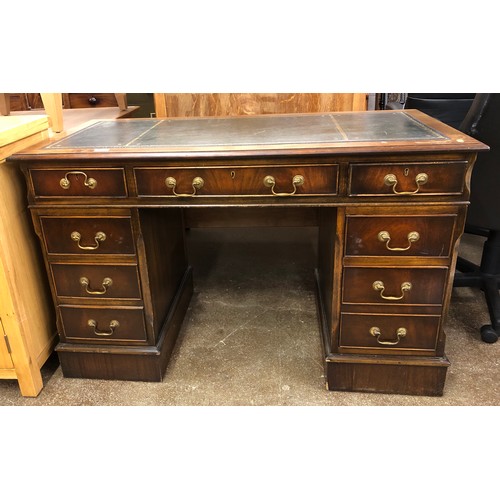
(121,285)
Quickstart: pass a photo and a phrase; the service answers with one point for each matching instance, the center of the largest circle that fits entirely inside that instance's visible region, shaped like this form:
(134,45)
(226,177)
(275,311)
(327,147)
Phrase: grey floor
(251,337)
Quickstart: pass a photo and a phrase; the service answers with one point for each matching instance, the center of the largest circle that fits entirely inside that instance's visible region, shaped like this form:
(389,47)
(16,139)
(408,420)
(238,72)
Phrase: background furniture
(172,105)
(27,324)
(54,103)
(483,217)
(108,202)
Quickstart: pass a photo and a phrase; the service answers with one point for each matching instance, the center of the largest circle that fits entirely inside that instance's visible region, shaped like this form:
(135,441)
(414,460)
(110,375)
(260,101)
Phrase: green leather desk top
(293,134)
(253,131)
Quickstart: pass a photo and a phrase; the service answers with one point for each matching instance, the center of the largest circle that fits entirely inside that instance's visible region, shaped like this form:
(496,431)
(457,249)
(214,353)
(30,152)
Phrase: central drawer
(103,324)
(275,180)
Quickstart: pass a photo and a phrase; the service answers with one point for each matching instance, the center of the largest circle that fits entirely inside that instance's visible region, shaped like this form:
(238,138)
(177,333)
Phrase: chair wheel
(488,334)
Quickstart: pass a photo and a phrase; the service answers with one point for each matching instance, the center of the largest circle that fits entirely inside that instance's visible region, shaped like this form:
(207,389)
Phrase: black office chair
(478,117)
(449,108)
(483,218)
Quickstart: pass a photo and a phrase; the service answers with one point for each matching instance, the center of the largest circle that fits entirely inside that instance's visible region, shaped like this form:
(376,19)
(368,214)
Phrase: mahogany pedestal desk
(389,188)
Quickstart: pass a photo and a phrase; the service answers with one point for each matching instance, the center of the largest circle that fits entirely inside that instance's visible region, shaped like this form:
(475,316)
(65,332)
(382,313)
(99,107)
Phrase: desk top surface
(376,130)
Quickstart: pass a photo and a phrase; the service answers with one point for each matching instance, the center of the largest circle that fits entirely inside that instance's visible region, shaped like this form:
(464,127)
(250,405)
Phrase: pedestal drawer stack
(396,277)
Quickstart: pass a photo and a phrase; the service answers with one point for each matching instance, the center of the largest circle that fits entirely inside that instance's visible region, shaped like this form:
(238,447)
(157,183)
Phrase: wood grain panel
(251,217)
(179,105)
(5,358)
(164,255)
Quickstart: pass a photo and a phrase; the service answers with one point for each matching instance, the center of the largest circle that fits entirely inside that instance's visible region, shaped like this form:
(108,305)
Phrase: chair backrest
(449,108)
(483,123)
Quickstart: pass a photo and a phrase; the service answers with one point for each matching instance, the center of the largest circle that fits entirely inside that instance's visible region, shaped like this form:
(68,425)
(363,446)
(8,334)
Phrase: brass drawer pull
(89,181)
(112,326)
(197,184)
(106,283)
(269,181)
(392,180)
(99,237)
(385,237)
(379,286)
(400,333)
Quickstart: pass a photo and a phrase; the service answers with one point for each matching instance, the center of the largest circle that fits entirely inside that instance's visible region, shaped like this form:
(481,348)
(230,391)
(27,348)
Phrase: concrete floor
(251,336)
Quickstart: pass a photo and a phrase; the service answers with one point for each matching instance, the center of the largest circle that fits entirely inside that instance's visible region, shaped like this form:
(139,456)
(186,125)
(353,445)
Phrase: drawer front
(103,325)
(409,286)
(389,332)
(297,180)
(407,179)
(96,281)
(88,235)
(426,236)
(74,182)
(90,100)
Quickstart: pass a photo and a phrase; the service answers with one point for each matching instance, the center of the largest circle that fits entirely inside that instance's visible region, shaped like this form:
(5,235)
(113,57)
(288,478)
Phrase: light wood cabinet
(27,327)
(178,105)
